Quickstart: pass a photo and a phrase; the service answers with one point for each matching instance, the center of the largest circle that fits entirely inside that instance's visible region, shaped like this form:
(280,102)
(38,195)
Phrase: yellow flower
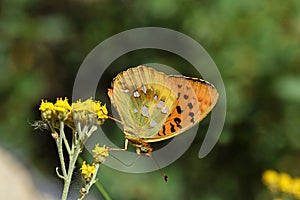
(62,108)
(100,153)
(271,179)
(101,112)
(87,171)
(87,105)
(285,182)
(89,111)
(46,106)
(47,109)
(63,103)
(296,188)
(84,112)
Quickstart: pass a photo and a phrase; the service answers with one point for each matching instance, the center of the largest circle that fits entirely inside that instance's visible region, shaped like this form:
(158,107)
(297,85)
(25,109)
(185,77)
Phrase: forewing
(144,99)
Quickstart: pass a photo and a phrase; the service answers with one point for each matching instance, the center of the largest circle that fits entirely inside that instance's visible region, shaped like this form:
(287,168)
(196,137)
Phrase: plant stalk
(73,159)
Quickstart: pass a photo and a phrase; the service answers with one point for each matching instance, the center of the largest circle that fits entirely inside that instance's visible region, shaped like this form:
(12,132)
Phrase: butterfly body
(154,106)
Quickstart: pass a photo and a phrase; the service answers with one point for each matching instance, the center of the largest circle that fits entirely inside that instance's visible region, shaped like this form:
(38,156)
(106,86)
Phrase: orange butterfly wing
(196,98)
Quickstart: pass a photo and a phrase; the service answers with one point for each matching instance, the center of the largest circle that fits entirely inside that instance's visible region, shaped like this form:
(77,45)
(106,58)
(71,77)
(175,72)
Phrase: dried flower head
(89,112)
(100,153)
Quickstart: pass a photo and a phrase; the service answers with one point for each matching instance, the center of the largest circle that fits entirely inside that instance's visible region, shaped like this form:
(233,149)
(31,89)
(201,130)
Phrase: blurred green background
(255,44)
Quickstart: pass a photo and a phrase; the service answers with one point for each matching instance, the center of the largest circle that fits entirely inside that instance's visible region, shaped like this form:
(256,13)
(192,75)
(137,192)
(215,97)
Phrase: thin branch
(73,158)
(66,142)
(58,174)
(60,149)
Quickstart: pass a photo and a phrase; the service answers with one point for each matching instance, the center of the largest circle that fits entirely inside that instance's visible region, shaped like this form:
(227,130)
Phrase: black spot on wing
(178,109)
(177,122)
(172,128)
(164,129)
(192,120)
(191,114)
(185,96)
(190,105)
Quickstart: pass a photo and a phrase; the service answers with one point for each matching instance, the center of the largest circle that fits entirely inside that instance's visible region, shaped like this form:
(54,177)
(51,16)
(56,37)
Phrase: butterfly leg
(121,149)
(126,144)
(117,120)
(138,151)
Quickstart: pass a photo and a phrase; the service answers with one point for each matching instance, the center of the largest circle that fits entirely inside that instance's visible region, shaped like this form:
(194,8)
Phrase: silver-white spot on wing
(145,111)
(153,123)
(165,110)
(135,110)
(160,104)
(155,97)
(136,94)
(126,90)
(144,89)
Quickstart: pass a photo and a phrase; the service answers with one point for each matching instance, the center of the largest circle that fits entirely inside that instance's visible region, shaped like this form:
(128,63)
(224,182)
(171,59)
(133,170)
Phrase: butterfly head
(140,145)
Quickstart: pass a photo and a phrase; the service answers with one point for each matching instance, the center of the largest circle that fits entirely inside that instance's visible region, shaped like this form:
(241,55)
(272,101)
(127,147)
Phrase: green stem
(60,150)
(66,142)
(101,189)
(76,148)
(73,158)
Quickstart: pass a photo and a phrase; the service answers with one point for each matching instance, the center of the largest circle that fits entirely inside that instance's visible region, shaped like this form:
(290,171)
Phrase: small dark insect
(40,125)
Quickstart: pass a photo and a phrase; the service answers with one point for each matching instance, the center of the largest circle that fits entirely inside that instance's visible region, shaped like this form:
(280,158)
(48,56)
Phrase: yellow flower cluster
(54,113)
(100,153)
(88,111)
(282,182)
(87,171)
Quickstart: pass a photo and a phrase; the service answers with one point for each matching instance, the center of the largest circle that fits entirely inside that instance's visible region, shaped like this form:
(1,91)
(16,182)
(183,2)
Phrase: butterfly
(154,106)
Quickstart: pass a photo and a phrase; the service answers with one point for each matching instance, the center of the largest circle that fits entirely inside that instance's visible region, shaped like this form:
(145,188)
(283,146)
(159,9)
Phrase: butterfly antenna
(126,164)
(112,118)
(166,178)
